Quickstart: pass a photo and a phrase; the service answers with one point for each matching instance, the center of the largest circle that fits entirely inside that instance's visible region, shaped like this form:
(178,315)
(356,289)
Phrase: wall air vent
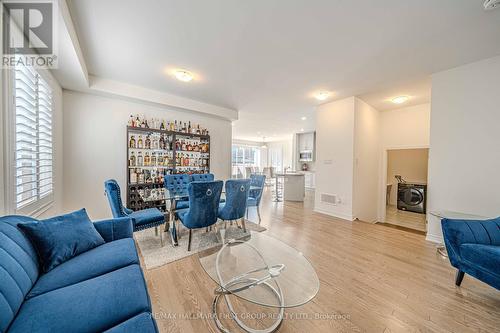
(329,198)
(491,4)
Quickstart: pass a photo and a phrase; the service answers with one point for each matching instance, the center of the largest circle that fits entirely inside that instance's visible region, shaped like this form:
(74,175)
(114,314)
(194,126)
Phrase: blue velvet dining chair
(255,195)
(236,201)
(203,206)
(142,219)
(202,177)
(178,183)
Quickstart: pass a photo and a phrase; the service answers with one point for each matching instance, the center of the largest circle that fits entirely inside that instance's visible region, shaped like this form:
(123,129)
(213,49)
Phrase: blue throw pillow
(61,238)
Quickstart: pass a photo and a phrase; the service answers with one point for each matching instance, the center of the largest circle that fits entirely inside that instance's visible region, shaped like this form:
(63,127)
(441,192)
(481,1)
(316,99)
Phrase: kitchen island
(293,186)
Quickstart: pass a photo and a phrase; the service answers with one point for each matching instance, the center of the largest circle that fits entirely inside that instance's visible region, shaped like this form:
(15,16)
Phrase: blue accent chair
(255,195)
(236,201)
(142,219)
(203,206)
(474,248)
(178,183)
(202,177)
(99,290)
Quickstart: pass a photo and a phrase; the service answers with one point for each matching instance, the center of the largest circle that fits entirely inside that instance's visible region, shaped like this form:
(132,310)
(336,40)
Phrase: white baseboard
(340,216)
(434,238)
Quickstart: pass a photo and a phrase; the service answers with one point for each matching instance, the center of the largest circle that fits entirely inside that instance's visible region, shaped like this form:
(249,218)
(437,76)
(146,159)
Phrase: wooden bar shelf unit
(133,198)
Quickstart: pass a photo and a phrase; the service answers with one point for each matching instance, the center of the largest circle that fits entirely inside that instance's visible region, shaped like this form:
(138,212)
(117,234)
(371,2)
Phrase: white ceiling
(265,58)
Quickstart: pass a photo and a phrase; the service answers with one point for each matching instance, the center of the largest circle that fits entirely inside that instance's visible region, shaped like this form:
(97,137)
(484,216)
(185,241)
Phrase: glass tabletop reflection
(160,194)
(262,270)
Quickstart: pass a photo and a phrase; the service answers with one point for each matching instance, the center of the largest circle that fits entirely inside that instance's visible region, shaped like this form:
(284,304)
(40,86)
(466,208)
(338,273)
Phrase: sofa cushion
(143,323)
(62,237)
(100,260)
(93,305)
(18,267)
(486,257)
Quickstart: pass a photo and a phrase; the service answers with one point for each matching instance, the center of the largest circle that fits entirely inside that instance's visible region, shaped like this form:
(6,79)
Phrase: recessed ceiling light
(322,95)
(183,75)
(400,99)
(258,132)
(302,130)
(303,118)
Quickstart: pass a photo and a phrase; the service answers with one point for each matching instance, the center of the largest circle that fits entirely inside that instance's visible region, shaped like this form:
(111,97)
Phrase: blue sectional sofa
(102,289)
(474,248)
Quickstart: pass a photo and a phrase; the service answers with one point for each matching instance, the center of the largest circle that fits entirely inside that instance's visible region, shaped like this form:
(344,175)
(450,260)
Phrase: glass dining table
(171,198)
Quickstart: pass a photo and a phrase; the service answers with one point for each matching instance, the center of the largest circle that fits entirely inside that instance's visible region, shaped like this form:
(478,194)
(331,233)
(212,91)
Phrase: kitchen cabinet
(310,179)
(306,141)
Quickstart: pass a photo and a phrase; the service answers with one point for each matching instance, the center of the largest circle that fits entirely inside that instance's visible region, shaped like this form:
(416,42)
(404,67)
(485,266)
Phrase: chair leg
(156,231)
(161,238)
(247,213)
(189,240)
(459,278)
(243,224)
(258,213)
(206,229)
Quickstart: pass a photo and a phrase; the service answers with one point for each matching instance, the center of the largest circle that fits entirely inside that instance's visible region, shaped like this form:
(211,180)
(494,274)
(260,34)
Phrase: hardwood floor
(405,219)
(373,279)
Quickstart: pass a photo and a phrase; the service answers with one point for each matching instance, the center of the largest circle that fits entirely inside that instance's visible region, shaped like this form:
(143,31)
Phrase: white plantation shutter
(33,137)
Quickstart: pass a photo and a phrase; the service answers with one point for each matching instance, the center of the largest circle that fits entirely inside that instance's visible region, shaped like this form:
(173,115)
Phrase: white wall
(334,156)
(464,159)
(404,128)
(366,161)
(95,146)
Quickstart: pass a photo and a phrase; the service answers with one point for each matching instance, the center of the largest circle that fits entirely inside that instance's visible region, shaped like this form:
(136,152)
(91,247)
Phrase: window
(242,157)
(32,140)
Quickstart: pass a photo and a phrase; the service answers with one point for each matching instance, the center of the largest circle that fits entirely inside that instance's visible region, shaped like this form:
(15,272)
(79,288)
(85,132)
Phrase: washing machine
(412,197)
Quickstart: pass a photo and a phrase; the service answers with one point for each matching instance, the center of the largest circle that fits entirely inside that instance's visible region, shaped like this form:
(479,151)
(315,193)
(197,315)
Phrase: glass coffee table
(262,270)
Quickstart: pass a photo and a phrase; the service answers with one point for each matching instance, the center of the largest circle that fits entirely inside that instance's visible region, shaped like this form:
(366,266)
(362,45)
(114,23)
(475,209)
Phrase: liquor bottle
(198,129)
(140,177)
(176,128)
(148,142)
(147,160)
(140,161)
(161,143)
(160,159)
(156,143)
(137,122)
(172,127)
(133,176)
(162,125)
(131,160)
(183,146)
(139,142)
(153,159)
(189,127)
(131,143)
(131,121)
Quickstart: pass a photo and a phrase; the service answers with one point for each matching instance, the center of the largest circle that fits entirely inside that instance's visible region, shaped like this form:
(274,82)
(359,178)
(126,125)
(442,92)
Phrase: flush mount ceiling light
(302,130)
(400,99)
(183,75)
(303,118)
(322,95)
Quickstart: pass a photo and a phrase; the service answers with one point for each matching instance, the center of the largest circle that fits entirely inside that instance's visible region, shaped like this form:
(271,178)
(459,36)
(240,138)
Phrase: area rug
(155,255)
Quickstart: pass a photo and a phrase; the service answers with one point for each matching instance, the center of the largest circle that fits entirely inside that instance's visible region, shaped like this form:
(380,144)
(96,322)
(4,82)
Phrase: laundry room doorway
(405,191)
